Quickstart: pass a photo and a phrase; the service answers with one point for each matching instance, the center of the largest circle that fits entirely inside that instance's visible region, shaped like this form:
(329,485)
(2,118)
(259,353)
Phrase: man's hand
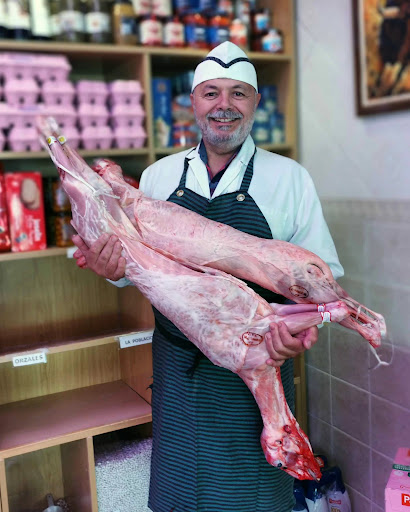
(281,345)
(103,257)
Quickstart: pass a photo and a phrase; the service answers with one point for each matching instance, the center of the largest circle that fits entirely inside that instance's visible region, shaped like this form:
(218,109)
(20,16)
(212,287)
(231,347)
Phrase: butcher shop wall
(360,166)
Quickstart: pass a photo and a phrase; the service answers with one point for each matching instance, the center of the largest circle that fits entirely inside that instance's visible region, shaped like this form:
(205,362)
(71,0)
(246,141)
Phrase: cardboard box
(25,205)
(162,103)
(397,492)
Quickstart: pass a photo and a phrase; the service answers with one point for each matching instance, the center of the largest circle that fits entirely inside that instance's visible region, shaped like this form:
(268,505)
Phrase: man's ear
(258,98)
(192,98)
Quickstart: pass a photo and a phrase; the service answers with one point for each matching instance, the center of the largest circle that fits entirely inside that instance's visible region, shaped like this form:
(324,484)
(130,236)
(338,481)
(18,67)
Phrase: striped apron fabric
(206,453)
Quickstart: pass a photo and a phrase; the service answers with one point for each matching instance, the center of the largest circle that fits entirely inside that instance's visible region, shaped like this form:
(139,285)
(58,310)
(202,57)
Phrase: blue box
(162,107)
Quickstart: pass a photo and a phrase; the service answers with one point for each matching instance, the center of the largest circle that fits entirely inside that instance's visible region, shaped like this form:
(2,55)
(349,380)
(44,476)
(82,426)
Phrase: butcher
(206,453)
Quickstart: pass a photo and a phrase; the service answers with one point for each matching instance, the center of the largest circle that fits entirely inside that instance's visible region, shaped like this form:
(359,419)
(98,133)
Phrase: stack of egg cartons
(127,114)
(23,78)
(93,114)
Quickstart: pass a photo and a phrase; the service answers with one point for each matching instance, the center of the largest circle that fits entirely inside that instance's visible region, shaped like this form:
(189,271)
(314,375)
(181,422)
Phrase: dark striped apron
(206,453)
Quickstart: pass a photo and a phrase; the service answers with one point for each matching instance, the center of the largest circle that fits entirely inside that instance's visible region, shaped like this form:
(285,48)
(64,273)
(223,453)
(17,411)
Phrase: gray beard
(225,141)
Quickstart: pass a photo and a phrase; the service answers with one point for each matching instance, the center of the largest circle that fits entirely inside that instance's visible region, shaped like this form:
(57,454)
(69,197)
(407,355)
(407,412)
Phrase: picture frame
(382,55)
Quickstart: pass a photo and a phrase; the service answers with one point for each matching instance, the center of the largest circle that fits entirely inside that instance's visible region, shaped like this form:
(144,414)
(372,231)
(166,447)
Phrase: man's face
(224,110)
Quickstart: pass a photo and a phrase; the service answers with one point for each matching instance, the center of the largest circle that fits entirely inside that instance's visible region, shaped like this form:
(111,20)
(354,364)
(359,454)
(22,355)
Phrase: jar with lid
(260,21)
(40,20)
(150,30)
(18,19)
(225,7)
(238,34)
(72,21)
(124,23)
(55,25)
(98,21)
(196,30)
(218,31)
(272,41)
(174,32)
(143,7)
(4,31)
(162,8)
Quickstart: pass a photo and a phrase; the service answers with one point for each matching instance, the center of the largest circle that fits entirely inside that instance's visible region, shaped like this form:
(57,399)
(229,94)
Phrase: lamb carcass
(220,314)
(282,267)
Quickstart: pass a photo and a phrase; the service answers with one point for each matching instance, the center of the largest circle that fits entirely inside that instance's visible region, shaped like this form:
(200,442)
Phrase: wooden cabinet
(49,412)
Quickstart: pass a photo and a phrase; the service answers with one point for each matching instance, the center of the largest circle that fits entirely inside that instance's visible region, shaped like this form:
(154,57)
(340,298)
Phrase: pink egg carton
(92,92)
(21,92)
(92,115)
(57,93)
(24,139)
(125,92)
(25,117)
(43,67)
(127,115)
(7,115)
(65,115)
(127,138)
(72,134)
(97,137)
(2,140)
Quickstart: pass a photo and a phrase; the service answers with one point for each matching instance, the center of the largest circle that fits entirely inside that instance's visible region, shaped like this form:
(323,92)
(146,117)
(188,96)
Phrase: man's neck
(217,158)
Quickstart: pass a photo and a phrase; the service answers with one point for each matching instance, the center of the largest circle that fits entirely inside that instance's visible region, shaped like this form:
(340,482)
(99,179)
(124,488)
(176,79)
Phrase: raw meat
(279,266)
(223,317)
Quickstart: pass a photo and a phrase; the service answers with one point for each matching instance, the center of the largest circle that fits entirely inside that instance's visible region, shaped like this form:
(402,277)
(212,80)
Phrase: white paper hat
(226,61)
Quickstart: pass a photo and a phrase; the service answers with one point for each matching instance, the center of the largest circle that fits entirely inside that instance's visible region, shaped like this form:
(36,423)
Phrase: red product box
(5,244)
(24,193)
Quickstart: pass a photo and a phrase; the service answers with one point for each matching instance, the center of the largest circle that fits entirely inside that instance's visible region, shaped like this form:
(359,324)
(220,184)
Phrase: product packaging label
(24,195)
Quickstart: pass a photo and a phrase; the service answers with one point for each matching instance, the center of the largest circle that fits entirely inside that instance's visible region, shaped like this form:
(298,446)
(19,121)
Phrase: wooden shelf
(105,50)
(59,418)
(85,153)
(51,251)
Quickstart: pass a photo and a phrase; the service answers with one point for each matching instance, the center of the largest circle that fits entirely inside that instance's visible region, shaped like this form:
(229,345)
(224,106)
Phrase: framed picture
(382,54)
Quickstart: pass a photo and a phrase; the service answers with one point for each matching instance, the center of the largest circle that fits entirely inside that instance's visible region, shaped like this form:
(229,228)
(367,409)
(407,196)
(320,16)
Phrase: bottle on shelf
(4,31)
(98,21)
(124,23)
(40,20)
(18,16)
(150,30)
(238,34)
(162,8)
(72,21)
(143,7)
(218,31)
(174,32)
(55,25)
(196,30)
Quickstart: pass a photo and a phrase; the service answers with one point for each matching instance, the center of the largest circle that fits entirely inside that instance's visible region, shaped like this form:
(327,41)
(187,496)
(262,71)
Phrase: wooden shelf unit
(49,413)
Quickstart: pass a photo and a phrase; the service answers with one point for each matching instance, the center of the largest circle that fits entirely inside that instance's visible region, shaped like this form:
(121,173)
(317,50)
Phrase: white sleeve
(311,230)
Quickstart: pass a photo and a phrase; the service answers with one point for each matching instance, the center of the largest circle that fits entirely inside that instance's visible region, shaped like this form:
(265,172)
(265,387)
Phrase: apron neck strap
(247,178)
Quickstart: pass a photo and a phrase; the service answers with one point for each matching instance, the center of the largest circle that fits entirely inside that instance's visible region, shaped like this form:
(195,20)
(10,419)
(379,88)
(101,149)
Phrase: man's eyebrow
(215,87)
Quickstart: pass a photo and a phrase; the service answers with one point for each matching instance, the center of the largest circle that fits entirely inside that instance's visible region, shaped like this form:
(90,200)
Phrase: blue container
(162,106)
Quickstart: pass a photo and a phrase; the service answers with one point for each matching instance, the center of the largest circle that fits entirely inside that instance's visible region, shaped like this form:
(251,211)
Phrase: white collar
(235,167)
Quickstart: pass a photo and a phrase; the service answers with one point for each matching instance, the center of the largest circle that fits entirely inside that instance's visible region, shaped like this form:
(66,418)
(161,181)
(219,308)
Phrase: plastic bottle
(98,21)
(72,21)
(162,8)
(299,494)
(315,499)
(336,494)
(18,16)
(40,20)
(124,23)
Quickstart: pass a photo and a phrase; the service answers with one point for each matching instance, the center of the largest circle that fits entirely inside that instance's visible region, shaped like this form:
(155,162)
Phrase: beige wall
(361,167)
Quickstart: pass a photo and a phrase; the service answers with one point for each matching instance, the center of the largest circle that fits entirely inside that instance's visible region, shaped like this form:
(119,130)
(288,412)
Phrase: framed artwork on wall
(382,55)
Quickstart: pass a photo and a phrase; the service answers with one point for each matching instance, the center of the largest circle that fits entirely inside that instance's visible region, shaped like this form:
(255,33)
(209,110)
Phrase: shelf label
(135,338)
(25,360)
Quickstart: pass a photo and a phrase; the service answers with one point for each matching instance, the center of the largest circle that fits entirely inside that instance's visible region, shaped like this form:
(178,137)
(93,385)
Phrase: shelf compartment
(65,471)
(64,417)
(106,50)
(14,155)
